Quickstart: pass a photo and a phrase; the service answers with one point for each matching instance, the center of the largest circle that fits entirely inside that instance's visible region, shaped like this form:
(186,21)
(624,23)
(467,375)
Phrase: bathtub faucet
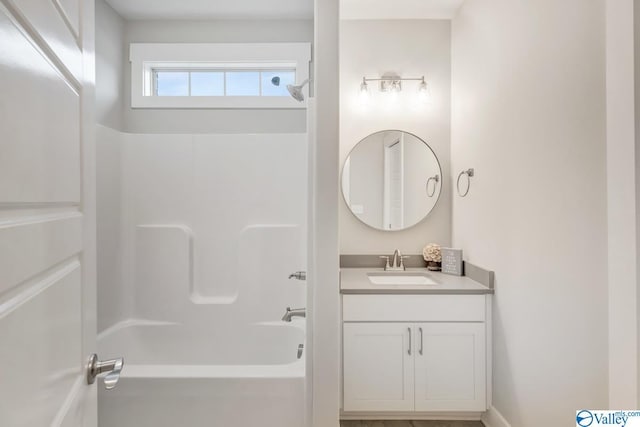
(296,312)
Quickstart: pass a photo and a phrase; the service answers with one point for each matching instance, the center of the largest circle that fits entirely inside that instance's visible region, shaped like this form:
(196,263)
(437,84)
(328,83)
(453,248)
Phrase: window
(204,75)
(221,82)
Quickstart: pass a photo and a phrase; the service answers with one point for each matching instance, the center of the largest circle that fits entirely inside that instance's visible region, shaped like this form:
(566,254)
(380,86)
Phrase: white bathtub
(176,376)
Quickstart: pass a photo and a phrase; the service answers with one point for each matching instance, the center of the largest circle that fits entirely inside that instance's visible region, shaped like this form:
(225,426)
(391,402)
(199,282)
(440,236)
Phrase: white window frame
(145,57)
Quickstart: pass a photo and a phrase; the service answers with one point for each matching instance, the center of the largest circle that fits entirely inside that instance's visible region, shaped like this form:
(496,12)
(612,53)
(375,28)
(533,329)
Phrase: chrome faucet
(398,261)
(294,312)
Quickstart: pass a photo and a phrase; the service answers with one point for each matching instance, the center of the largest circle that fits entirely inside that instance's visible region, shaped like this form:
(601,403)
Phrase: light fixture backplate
(389,81)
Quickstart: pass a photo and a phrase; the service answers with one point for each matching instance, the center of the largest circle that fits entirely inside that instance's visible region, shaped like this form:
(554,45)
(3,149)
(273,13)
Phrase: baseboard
(392,416)
(493,418)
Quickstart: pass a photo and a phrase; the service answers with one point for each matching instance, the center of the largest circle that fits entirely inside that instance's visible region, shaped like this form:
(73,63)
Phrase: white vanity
(415,344)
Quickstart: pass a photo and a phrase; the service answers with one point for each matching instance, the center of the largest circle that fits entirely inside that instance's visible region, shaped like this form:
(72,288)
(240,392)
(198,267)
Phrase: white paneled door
(47,213)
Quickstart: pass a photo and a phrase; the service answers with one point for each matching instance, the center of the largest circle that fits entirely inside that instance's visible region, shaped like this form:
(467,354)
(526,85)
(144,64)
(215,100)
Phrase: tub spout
(295,312)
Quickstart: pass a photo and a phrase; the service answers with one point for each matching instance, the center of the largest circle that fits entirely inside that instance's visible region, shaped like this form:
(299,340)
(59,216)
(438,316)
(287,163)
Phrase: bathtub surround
(529,116)
(111,286)
(193,209)
(411,48)
(193,254)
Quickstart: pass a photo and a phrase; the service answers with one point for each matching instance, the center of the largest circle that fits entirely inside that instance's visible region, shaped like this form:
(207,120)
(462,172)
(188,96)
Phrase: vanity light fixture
(393,83)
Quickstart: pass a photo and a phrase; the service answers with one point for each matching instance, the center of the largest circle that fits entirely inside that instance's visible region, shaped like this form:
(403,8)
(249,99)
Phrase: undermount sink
(401,278)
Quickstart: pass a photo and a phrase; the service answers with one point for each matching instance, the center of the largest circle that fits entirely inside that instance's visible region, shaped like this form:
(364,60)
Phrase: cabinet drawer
(413,308)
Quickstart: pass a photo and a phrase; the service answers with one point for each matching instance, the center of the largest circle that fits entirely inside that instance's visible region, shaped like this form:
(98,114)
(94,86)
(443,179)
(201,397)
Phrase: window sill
(217,102)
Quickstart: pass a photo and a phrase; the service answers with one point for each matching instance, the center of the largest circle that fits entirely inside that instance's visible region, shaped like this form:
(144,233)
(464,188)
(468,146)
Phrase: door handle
(421,342)
(111,367)
(409,350)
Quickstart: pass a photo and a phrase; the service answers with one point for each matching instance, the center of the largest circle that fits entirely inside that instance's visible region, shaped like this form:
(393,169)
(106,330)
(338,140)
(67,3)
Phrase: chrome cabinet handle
(112,367)
(421,342)
(409,350)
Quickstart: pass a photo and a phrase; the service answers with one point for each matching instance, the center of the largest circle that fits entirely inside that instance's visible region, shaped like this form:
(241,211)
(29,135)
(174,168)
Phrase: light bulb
(364,92)
(424,94)
(364,87)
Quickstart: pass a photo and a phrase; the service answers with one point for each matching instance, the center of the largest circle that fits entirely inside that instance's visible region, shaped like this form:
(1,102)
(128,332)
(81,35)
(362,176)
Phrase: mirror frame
(344,199)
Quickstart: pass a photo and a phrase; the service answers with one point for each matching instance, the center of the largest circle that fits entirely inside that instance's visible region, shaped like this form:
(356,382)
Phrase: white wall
(213,121)
(411,48)
(622,213)
(109,66)
(323,300)
(110,117)
(529,116)
(636,25)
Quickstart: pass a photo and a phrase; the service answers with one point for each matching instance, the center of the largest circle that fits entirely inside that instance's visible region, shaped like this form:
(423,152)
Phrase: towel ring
(469,173)
(436,180)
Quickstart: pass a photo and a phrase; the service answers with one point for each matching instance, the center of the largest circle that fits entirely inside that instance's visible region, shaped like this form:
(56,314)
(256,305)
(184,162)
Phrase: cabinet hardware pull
(421,341)
(409,350)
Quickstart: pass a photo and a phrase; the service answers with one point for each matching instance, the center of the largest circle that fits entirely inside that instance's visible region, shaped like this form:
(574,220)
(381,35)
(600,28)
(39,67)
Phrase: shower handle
(298,275)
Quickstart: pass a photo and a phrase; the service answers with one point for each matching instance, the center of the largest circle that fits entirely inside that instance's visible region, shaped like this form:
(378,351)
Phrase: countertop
(355,281)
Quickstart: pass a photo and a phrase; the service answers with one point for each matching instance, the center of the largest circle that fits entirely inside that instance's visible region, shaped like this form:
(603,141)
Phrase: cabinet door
(450,367)
(378,366)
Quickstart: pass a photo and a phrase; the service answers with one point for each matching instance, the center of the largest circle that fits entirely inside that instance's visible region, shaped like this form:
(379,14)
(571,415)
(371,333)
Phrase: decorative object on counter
(452,261)
(433,255)
(469,174)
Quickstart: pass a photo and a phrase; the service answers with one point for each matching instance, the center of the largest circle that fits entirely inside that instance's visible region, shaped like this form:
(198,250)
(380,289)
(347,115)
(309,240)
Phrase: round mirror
(391,180)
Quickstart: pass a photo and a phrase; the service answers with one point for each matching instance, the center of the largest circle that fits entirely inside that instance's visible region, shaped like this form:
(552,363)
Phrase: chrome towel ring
(436,180)
(469,174)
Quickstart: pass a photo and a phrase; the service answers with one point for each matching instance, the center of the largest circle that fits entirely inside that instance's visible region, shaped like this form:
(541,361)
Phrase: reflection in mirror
(391,180)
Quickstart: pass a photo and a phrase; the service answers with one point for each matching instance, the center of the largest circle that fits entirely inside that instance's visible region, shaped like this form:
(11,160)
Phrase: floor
(411,424)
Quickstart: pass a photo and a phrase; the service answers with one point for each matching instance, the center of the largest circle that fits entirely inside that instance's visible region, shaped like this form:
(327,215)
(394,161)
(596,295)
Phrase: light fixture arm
(393,79)
(391,82)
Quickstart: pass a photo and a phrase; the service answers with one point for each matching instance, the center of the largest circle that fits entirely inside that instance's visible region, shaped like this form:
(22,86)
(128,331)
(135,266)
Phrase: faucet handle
(387,266)
(402,258)
(298,275)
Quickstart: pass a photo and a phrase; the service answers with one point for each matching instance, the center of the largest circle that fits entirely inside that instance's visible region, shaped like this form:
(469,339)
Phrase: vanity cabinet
(378,367)
(414,353)
(450,367)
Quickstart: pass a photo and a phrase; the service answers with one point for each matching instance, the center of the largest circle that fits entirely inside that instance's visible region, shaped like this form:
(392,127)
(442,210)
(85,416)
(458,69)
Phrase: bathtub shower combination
(198,235)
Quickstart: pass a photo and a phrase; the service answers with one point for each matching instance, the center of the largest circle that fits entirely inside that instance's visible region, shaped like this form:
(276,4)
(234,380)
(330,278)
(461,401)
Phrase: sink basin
(406,279)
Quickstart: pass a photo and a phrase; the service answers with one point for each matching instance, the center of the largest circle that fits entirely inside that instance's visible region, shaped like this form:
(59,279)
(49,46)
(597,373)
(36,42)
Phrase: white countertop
(356,281)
